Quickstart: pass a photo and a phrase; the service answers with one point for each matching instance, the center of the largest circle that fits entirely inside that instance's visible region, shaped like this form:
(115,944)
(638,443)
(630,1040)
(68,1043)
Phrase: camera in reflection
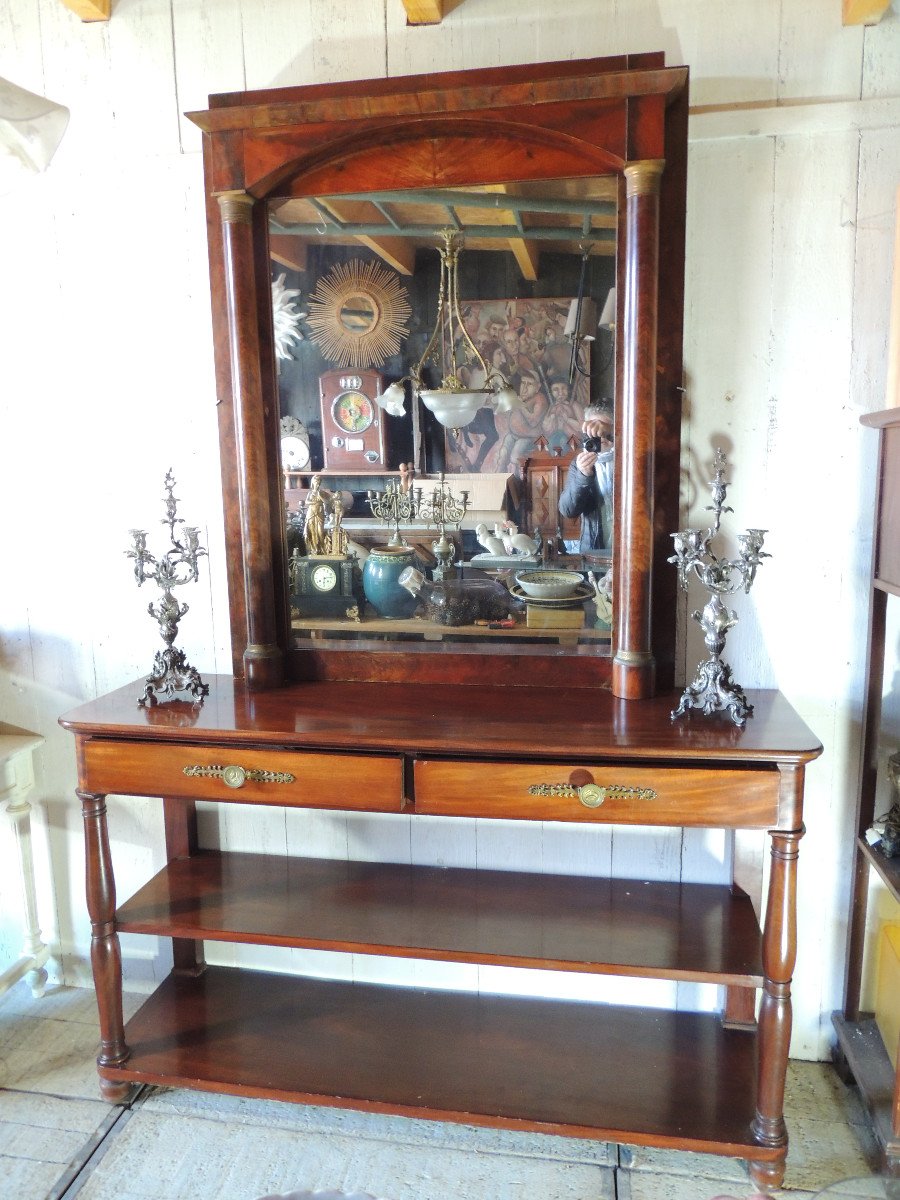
(593,445)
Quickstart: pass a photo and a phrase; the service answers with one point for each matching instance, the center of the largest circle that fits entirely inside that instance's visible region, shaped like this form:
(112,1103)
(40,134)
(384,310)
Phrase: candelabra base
(713,690)
(172,673)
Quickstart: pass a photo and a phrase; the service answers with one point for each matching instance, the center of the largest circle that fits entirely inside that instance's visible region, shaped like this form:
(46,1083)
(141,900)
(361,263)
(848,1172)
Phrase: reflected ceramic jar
(381,573)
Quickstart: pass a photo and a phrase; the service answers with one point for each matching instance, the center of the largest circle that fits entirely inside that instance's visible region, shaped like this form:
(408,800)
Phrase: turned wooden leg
(180,817)
(779,955)
(106,956)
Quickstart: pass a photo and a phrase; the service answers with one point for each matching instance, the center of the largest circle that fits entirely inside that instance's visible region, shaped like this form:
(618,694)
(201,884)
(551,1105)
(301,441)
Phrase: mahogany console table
(684,1080)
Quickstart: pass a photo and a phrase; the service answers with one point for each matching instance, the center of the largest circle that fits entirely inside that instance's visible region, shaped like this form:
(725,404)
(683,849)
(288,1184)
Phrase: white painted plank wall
(106,380)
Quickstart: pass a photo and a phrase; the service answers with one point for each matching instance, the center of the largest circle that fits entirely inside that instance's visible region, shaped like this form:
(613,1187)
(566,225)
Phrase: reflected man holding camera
(588,490)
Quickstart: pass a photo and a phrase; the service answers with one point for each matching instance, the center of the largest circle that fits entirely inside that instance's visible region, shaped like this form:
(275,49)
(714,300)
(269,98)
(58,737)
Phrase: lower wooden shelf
(648,1077)
(866,1059)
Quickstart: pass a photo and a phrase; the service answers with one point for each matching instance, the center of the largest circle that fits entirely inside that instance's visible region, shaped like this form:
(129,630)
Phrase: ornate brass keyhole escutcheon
(591,795)
(234,776)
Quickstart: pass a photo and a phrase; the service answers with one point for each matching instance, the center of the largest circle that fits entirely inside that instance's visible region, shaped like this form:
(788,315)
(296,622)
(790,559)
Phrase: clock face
(324,578)
(353,412)
(294,453)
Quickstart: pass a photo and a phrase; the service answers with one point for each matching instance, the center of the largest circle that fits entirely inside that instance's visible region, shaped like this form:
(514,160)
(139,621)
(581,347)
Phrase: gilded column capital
(642,177)
(236,208)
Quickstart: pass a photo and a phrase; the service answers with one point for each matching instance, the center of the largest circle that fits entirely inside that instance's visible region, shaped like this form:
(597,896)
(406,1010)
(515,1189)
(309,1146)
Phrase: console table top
(466,721)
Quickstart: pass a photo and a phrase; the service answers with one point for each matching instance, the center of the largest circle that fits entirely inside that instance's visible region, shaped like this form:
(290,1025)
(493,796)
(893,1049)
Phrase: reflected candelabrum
(179,565)
(398,504)
(713,688)
(441,510)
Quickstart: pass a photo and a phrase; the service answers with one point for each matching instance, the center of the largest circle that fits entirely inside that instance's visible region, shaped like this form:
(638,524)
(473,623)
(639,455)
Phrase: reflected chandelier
(467,382)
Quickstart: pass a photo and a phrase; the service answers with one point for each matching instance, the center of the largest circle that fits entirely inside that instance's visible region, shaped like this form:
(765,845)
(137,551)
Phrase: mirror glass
(358,313)
(499,523)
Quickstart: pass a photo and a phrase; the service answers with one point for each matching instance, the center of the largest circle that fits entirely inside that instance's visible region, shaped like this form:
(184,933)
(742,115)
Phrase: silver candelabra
(441,510)
(180,565)
(394,505)
(713,688)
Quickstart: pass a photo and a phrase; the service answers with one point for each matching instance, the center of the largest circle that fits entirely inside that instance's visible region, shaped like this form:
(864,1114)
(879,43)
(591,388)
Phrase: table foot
(37,981)
(768,1176)
(115,1092)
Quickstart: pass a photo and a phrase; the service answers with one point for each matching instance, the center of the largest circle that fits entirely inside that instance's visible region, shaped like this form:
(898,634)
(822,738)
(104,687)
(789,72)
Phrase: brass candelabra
(396,505)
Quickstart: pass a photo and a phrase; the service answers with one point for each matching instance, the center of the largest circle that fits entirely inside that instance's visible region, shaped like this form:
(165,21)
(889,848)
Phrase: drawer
(614,794)
(289,777)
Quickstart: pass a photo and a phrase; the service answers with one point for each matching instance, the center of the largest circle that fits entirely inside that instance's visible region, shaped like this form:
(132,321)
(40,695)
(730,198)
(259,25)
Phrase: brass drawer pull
(592,795)
(236,777)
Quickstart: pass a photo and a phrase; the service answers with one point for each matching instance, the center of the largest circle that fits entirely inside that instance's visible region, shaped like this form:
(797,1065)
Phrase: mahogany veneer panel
(680,796)
(526,722)
(345,781)
(655,1077)
(613,926)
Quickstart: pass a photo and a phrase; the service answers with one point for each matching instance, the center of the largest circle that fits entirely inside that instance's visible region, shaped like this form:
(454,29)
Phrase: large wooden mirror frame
(625,116)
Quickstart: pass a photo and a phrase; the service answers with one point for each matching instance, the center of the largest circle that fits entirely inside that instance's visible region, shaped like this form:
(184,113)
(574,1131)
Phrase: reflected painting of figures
(525,341)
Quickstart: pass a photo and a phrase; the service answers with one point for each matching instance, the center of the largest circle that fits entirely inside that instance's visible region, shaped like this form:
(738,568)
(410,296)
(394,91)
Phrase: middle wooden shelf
(696,932)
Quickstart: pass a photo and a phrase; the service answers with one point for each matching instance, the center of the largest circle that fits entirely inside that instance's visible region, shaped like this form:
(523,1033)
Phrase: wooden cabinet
(690,1080)
(860,1053)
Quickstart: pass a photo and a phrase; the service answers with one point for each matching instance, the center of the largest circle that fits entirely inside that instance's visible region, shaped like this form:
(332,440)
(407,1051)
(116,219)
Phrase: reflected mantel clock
(353,426)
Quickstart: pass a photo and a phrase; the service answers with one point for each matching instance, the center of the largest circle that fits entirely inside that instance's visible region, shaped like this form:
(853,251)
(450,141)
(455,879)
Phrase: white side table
(16,781)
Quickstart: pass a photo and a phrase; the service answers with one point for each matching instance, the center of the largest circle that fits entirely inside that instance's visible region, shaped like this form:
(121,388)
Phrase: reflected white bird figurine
(490,541)
(517,543)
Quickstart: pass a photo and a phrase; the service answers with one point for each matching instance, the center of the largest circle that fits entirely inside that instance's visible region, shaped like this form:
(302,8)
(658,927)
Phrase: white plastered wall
(106,380)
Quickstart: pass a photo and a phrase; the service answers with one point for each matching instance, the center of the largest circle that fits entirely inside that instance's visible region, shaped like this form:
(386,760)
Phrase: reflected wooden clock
(354,429)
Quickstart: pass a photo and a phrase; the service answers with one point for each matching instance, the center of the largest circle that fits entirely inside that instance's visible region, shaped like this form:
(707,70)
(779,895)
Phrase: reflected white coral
(286,318)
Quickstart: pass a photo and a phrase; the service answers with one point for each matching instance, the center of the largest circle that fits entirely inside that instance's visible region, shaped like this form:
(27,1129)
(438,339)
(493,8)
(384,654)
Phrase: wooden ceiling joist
(424,12)
(290,252)
(90,10)
(864,12)
(397,252)
(526,254)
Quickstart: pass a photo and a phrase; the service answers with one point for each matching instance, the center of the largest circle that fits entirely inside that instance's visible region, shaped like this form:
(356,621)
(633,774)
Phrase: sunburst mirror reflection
(358,314)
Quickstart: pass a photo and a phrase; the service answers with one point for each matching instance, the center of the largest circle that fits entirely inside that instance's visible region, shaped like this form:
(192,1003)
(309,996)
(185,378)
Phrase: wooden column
(180,817)
(263,660)
(779,957)
(106,955)
(633,675)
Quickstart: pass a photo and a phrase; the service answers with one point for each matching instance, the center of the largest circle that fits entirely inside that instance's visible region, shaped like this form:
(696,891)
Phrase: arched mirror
(489,265)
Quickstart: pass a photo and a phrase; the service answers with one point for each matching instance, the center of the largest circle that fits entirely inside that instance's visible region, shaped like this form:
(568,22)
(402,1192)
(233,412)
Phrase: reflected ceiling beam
(542,233)
(90,10)
(424,12)
(527,254)
(396,251)
(502,201)
(290,252)
(864,12)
